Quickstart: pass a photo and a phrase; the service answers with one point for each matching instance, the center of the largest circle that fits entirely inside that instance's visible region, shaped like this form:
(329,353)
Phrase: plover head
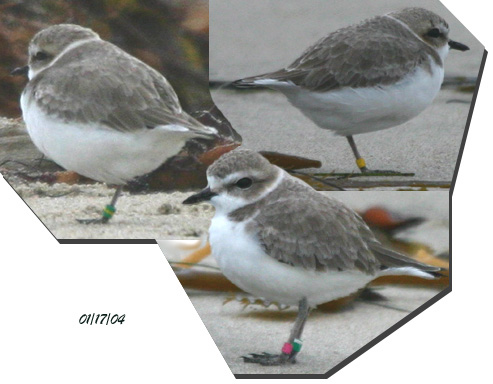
(236,179)
(47,45)
(430,28)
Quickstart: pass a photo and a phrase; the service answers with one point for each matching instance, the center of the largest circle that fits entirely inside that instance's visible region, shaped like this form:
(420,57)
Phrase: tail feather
(394,263)
(248,82)
(197,129)
(271,79)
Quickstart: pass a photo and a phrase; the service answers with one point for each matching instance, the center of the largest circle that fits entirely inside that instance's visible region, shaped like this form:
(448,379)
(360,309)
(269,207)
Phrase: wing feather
(322,235)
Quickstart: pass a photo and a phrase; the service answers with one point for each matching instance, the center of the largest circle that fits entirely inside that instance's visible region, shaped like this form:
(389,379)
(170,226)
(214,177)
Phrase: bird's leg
(108,211)
(291,348)
(360,162)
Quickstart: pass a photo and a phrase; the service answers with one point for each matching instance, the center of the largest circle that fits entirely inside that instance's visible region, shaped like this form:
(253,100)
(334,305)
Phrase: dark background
(169,35)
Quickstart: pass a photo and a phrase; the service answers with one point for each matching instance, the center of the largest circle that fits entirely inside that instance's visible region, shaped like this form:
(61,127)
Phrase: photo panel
(293,160)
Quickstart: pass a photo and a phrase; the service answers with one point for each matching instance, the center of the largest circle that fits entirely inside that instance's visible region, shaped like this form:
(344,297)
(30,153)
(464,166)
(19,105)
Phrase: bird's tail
(269,80)
(276,80)
(248,82)
(395,263)
(197,129)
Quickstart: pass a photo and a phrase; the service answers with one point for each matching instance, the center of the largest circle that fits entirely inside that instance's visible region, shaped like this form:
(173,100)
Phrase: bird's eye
(244,183)
(434,32)
(40,56)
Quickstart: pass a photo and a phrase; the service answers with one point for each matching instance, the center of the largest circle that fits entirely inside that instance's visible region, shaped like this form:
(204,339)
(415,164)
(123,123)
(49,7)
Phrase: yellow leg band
(360,163)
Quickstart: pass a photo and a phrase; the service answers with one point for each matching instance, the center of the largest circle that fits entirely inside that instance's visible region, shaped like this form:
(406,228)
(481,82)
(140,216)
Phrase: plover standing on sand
(96,110)
(277,238)
(370,76)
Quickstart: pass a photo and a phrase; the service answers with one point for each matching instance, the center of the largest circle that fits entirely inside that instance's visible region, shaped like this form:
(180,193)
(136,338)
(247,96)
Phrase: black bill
(204,195)
(20,71)
(456,45)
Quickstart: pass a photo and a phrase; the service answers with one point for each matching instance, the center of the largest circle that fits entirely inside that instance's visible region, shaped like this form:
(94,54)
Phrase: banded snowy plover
(370,76)
(277,238)
(96,110)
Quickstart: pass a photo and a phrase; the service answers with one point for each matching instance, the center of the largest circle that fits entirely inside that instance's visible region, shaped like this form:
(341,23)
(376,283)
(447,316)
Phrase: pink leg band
(287,348)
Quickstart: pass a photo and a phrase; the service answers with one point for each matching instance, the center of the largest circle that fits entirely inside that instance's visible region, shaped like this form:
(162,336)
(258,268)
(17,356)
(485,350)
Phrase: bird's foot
(377,172)
(101,220)
(269,359)
(360,162)
(288,355)
(371,173)
(108,213)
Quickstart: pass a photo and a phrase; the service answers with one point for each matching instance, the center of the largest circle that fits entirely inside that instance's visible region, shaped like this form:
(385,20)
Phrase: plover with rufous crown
(370,76)
(94,109)
(277,238)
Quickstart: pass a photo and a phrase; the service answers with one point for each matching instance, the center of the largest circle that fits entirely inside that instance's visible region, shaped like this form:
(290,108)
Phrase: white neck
(443,52)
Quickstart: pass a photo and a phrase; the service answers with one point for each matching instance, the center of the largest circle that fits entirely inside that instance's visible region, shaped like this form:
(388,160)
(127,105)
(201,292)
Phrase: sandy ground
(150,216)
(247,40)
(328,338)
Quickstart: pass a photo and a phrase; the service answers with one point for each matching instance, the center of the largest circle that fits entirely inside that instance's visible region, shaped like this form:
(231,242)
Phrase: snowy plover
(277,238)
(369,76)
(96,110)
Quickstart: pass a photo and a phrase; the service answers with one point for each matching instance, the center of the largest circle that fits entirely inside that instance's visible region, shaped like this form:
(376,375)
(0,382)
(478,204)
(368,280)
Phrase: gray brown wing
(107,86)
(321,235)
(367,54)
(391,259)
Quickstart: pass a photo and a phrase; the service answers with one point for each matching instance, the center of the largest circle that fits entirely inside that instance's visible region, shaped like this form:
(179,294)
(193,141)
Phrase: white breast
(98,152)
(243,261)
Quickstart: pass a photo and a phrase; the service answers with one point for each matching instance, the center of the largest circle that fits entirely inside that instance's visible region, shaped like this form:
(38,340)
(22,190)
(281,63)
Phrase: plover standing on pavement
(96,110)
(277,238)
(370,76)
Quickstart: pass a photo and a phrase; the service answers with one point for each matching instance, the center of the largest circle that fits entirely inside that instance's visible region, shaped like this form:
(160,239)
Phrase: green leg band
(109,211)
(297,343)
